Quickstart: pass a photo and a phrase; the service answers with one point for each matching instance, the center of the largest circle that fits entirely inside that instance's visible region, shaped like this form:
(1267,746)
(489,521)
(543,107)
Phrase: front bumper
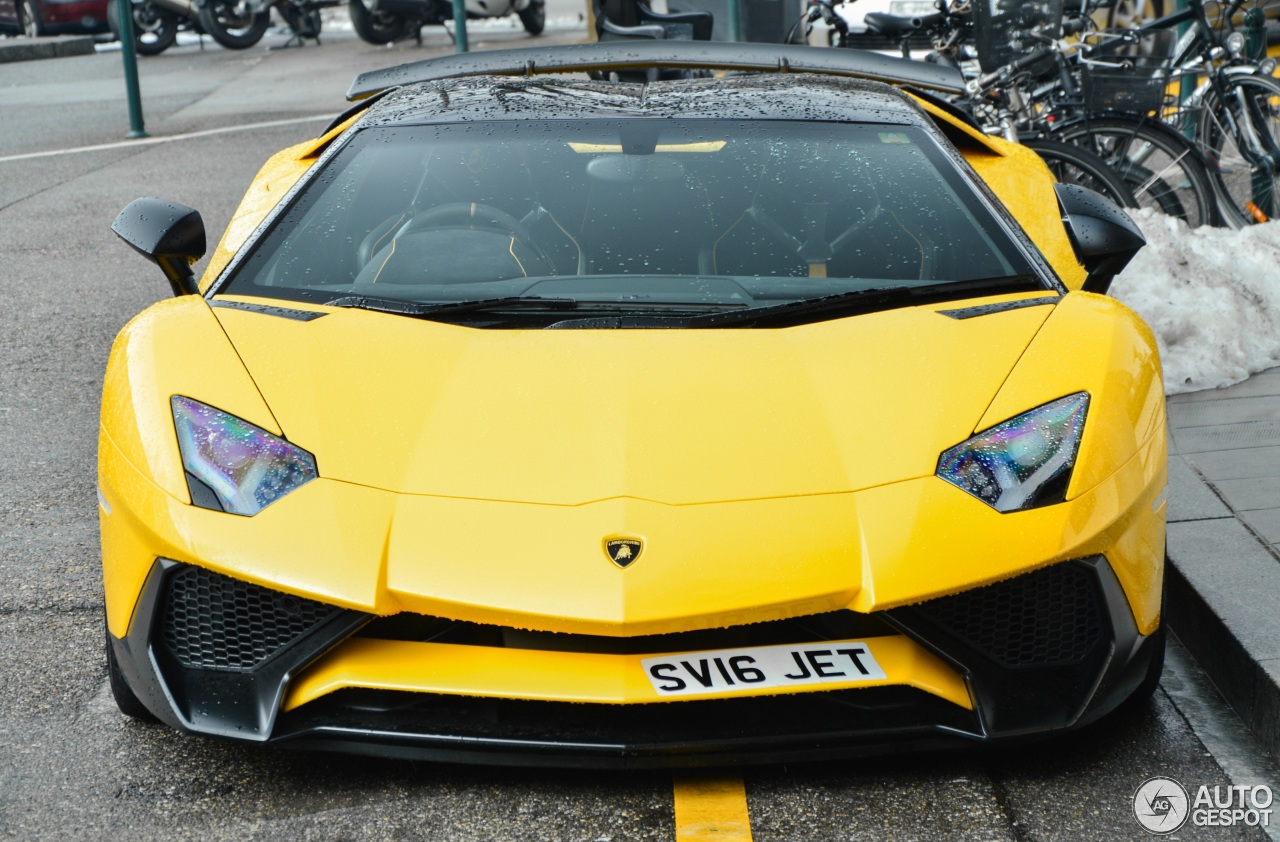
(1041,653)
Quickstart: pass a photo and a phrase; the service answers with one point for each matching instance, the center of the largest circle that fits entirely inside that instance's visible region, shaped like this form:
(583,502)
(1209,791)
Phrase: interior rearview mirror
(1105,239)
(167,233)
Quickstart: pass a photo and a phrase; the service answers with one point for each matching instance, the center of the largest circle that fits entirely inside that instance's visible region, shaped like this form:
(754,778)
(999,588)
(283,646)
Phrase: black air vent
(211,621)
(1051,617)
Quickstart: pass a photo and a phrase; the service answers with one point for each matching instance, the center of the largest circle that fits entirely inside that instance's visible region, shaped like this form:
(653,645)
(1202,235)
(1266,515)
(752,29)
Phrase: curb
(29,49)
(1223,586)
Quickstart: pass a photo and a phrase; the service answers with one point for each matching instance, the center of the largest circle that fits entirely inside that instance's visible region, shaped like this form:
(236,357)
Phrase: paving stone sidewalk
(1224,542)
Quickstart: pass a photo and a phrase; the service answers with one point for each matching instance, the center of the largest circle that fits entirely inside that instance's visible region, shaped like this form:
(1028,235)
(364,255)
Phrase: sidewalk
(57,46)
(1224,543)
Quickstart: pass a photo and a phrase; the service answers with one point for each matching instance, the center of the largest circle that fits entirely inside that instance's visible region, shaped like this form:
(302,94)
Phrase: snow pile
(1211,295)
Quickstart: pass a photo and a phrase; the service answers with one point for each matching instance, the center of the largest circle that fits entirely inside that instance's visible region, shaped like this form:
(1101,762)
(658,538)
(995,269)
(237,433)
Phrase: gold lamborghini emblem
(623,551)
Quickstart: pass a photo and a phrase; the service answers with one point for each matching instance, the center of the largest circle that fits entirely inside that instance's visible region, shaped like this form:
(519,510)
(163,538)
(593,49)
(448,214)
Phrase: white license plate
(744,670)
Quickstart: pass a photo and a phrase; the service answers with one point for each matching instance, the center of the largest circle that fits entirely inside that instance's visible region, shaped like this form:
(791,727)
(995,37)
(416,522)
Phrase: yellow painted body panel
(569,676)
(150,362)
(1025,186)
(867,536)
(569,417)
(1097,345)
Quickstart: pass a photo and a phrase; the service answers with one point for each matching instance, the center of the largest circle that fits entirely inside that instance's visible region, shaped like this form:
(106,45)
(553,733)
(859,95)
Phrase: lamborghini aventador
(526,417)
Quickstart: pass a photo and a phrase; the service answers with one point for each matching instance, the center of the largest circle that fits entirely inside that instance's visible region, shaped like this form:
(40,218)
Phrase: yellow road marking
(711,806)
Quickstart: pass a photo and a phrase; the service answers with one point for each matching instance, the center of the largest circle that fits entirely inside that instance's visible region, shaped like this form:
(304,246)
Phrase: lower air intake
(211,621)
(1051,617)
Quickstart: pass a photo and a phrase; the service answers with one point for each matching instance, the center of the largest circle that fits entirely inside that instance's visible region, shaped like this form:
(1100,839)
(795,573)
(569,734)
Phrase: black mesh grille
(211,621)
(1051,617)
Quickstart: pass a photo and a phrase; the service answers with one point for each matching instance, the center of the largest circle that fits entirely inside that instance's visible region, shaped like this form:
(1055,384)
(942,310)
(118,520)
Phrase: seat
(623,20)
(631,20)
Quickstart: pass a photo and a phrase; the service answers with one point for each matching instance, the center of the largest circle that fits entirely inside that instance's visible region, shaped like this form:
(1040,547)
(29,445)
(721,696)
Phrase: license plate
(744,670)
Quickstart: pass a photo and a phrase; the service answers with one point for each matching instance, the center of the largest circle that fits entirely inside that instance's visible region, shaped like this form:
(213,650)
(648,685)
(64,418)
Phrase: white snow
(1211,295)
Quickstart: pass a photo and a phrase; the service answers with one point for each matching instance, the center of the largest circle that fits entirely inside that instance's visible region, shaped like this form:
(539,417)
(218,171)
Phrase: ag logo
(623,551)
(1161,805)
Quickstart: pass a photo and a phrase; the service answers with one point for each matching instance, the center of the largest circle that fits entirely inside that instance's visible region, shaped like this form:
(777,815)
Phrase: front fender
(175,347)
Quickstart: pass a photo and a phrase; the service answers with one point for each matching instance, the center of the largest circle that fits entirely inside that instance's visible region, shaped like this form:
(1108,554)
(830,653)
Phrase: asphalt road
(71,767)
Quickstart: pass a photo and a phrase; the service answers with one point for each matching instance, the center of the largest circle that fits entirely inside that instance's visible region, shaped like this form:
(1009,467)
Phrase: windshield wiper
(866,301)
(518,302)
(414,308)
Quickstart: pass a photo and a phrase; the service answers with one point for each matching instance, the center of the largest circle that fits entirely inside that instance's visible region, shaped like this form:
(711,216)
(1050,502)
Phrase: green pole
(734,20)
(1187,86)
(1255,41)
(129,56)
(460,25)
(1255,49)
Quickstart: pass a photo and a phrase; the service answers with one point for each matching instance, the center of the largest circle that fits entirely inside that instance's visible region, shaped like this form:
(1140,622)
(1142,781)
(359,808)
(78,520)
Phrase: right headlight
(232,465)
(1024,462)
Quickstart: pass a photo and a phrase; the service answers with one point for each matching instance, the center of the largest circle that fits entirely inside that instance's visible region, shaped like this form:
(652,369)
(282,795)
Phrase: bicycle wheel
(1164,170)
(1129,14)
(1248,171)
(1076,165)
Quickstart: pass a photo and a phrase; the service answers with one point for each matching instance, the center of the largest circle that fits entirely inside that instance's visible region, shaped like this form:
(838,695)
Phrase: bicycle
(950,33)
(1233,114)
(1044,93)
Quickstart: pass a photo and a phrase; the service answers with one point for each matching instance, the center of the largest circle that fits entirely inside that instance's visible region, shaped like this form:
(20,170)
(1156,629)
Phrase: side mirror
(167,233)
(1104,238)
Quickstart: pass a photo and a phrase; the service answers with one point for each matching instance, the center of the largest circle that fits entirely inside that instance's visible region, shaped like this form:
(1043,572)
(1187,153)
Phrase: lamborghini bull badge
(623,551)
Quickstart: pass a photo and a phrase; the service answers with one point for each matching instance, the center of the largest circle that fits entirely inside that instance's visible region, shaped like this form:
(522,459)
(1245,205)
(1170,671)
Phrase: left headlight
(232,465)
(1024,462)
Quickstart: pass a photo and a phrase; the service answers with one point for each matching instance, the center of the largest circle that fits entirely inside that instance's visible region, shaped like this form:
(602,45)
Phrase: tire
(128,702)
(1249,191)
(154,29)
(1128,14)
(1074,165)
(304,21)
(32,26)
(232,24)
(534,17)
(1164,170)
(375,27)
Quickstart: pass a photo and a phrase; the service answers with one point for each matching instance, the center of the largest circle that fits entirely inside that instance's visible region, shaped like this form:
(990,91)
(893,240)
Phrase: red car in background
(53,17)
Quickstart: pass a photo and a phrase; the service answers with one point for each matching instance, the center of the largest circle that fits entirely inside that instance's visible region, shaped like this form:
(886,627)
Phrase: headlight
(232,465)
(1023,463)
(1235,44)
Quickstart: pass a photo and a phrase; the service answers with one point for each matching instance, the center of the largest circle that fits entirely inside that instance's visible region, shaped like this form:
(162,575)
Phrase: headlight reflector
(245,467)
(1024,462)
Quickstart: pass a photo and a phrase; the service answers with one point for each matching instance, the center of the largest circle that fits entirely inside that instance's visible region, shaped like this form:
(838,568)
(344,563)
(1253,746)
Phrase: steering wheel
(475,215)
(472,214)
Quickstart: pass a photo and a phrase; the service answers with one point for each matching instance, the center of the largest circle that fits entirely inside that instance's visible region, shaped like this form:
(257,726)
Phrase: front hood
(673,416)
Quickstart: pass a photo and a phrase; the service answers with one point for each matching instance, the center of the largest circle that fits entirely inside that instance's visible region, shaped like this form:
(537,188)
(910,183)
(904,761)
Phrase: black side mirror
(1105,239)
(167,233)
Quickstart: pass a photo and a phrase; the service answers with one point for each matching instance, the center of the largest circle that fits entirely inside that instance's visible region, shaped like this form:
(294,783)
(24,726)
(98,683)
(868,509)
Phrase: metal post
(460,25)
(1255,49)
(1187,85)
(128,54)
(734,20)
(1255,40)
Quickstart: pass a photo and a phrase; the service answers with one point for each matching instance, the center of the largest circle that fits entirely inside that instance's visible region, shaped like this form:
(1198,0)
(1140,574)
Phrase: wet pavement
(72,767)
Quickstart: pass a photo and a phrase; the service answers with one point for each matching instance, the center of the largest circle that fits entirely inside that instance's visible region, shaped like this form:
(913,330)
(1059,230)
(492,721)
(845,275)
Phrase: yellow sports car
(523,417)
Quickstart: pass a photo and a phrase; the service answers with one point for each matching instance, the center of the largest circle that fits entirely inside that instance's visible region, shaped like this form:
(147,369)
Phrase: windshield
(630,216)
